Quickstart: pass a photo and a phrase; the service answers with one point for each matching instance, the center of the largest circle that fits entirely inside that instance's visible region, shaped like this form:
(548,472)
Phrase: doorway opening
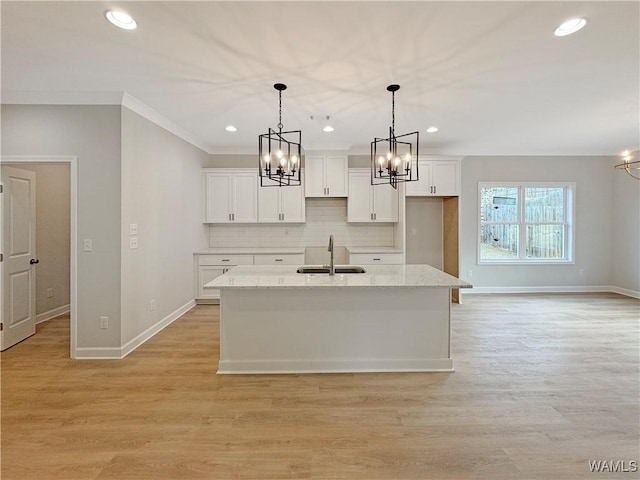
(22,304)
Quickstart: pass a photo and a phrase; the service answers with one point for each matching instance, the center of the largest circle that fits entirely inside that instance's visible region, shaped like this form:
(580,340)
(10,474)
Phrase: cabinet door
(385,203)
(205,275)
(292,204)
(336,175)
(422,186)
(245,197)
(218,197)
(445,177)
(314,177)
(269,204)
(359,201)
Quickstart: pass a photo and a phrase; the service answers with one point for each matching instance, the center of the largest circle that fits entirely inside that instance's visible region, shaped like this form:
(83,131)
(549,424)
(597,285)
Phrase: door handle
(34,261)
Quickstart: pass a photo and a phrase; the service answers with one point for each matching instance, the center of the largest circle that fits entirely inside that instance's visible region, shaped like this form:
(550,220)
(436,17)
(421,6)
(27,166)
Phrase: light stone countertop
(285,276)
(250,251)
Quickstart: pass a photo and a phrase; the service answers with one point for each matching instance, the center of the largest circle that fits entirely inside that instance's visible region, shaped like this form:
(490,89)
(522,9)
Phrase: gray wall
(53,217)
(424,243)
(594,227)
(92,133)
(161,193)
(626,227)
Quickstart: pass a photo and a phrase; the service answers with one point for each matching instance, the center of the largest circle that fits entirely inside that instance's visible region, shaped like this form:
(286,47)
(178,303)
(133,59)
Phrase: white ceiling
(491,75)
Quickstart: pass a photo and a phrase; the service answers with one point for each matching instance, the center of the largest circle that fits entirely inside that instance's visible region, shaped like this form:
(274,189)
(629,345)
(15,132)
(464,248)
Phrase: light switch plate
(133,229)
(87,245)
(133,243)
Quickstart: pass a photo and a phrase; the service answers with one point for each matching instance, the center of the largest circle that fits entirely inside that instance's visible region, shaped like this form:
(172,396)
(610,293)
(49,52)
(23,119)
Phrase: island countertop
(376,276)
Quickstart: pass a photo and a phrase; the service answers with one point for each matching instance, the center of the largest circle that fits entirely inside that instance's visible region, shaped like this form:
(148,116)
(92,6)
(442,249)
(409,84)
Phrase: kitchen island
(392,318)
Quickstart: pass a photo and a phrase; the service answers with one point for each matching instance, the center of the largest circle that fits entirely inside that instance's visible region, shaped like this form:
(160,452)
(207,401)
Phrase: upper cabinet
(437,178)
(281,204)
(231,196)
(326,174)
(370,203)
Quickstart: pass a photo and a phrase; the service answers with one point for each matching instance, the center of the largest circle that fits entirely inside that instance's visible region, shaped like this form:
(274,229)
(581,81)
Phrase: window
(526,223)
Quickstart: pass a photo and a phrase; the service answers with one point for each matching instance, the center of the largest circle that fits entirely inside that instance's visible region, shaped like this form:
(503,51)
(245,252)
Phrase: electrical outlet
(133,229)
(133,243)
(152,305)
(49,292)
(469,273)
(581,272)
(414,231)
(104,322)
(87,245)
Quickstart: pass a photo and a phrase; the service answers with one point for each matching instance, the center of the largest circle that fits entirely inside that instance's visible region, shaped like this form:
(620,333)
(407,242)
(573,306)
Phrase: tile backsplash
(325,216)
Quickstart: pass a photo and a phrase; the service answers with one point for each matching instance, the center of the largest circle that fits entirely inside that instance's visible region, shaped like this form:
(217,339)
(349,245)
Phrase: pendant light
(280,153)
(394,159)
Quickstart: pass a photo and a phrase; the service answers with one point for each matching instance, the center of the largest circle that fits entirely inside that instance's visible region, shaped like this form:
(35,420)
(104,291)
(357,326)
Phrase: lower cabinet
(376,258)
(210,267)
(279,259)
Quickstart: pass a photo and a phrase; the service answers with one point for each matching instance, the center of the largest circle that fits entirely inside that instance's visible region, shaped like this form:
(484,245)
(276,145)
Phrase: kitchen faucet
(332,268)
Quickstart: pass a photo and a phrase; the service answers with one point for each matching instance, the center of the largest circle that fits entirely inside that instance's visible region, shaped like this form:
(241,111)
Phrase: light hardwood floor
(542,385)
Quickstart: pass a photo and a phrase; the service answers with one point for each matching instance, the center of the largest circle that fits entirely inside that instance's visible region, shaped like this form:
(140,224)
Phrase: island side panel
(334,330)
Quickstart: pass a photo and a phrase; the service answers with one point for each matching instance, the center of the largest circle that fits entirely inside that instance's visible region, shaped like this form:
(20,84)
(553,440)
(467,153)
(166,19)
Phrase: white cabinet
(231,196)
(439,178)
(210,267)
(376,258)
(279,259)
(326,175)
(370,203)
(281,204)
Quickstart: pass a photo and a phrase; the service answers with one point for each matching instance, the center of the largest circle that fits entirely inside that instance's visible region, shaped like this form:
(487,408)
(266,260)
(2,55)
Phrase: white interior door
(19,256)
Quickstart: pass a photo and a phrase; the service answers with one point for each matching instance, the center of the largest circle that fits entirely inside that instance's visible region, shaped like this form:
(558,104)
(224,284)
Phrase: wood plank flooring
(543,384)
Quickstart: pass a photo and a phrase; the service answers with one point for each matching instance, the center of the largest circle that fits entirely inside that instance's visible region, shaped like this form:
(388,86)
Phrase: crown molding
(123,99)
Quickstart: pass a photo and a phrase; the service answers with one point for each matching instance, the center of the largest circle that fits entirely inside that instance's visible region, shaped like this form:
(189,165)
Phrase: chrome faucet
(332,268)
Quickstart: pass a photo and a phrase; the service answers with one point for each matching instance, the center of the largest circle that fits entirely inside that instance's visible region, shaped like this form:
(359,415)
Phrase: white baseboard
(554,289)
(98,353)
(626,291)
(334,366)
(53,313)
(130,346)
(102,353)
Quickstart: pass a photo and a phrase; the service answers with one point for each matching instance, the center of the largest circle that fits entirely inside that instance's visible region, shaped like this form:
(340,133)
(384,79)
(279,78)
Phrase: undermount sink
(339,269)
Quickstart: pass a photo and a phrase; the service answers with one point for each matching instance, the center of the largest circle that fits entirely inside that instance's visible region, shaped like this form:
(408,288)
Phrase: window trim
(569,223)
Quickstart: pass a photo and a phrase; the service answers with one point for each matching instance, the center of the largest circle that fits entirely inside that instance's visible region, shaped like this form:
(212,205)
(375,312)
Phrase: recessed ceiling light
(570,26)
(230,128)
(328,128)
(432,129)
(121,19)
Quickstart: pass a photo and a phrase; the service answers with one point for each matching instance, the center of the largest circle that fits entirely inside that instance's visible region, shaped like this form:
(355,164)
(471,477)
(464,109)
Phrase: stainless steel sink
(324,269)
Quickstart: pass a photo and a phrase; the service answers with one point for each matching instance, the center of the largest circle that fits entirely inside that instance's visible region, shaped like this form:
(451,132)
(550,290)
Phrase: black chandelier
(280,153)
(394,159)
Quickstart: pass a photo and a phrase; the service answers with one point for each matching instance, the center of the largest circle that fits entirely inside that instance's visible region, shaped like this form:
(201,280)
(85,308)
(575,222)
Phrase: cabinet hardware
(278,259)
(376,259)
(328,190)
(375,216)
(34,261)
(435,188)
(225,259)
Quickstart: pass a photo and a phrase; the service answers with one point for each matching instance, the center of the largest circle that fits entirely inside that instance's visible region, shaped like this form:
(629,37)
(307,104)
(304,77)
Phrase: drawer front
(284,259)
(225,259)
(376,258)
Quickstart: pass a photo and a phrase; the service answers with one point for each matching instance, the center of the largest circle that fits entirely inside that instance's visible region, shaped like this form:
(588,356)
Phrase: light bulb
(121,19)
(570,26)
(407,158)
(396,162)
(381,160)
(267,158)
(279,154)
(294,159)
(388,155)
(283,161)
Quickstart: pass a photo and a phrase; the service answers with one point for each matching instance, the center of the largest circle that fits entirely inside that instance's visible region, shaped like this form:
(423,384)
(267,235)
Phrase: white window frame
(569,224)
